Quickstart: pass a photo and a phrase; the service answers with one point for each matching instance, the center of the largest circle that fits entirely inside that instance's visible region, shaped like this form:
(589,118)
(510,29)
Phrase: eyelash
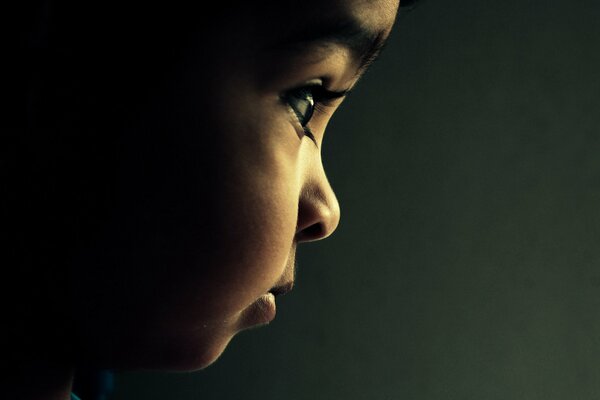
(317,96)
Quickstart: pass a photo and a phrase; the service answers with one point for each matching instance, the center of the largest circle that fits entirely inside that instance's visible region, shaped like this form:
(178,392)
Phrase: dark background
(467,261)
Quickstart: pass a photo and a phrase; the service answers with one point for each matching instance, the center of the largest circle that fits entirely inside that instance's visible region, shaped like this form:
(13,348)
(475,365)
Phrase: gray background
(467,262)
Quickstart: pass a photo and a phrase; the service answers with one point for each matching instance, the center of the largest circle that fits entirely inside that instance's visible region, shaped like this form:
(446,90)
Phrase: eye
(305,100)
(302,102)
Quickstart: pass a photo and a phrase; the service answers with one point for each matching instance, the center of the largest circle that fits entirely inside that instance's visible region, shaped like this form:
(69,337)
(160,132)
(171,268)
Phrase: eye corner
(309,134)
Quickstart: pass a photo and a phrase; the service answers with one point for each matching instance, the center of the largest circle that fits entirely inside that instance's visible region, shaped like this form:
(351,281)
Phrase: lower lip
(261,312)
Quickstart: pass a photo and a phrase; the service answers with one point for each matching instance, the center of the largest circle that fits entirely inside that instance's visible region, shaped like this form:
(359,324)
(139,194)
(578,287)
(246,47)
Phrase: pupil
(304,108)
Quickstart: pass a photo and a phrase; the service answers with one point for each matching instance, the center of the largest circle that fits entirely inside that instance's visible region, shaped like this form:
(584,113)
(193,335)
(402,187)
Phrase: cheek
(235,256)
(257,220)
(201,230)
(245,225)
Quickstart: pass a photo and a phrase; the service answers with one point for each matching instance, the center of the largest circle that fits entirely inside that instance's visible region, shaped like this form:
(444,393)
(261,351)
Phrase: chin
(208,356)
(174,353)
(188,355)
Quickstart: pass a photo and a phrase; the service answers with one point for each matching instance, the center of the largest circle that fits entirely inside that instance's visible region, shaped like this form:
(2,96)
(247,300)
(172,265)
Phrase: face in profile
(217,179)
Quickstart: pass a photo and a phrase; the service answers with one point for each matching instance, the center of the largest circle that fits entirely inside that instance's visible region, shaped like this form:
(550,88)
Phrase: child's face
(220,183)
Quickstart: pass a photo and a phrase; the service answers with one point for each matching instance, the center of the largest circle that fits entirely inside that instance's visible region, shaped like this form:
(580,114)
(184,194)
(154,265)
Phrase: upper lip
(282,289)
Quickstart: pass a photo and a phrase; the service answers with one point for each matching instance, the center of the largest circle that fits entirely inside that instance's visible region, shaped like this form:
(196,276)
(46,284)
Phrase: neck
(38,381)
(35,367)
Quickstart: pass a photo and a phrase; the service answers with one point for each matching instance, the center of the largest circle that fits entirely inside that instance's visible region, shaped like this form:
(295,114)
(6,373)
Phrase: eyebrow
(365,44)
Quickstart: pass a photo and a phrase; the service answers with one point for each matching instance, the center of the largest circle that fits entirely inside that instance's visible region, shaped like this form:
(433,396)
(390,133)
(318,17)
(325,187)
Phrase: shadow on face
(170,167)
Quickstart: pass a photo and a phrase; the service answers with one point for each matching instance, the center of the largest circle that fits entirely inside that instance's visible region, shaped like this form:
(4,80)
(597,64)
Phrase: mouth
(282,289)
(263,310)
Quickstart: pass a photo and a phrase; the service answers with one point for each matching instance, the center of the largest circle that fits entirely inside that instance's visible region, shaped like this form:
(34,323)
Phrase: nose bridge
(319,210)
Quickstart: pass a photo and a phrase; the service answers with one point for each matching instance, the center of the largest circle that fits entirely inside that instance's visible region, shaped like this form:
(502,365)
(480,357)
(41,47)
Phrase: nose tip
(318,213)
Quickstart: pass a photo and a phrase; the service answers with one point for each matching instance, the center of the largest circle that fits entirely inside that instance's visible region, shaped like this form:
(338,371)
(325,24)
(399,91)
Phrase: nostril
(313,232)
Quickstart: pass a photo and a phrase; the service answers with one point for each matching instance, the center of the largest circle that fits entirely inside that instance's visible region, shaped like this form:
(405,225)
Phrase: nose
(318,209)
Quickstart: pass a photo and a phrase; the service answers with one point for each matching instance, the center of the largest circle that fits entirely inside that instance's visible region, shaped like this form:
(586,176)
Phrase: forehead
(252,29)
(286,16)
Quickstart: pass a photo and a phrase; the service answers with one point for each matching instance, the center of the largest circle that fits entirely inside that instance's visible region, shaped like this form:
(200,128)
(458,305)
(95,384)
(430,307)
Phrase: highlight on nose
(318,213)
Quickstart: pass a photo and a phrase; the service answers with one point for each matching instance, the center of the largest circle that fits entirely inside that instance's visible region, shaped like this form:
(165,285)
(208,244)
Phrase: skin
(212,189)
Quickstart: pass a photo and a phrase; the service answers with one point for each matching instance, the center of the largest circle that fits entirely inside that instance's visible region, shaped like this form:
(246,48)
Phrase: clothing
(92,384)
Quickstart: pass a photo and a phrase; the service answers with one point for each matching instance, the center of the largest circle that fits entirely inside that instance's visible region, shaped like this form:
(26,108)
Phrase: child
(169,167)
